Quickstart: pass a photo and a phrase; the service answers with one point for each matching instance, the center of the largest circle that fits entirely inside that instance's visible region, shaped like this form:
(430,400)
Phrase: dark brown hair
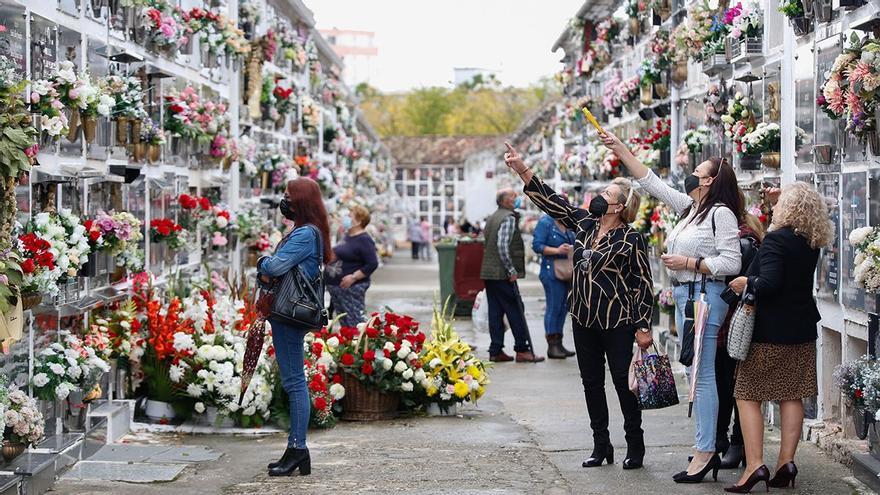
(308,208)
(723,191)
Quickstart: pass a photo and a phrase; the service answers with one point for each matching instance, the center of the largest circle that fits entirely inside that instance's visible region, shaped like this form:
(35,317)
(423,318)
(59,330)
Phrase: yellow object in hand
(593,120)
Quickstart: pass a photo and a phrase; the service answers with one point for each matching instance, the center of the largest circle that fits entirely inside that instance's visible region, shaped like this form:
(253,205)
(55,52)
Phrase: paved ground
(528,435)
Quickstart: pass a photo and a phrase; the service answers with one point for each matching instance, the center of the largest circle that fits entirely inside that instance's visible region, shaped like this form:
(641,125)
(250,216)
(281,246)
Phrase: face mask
(346,223)
(284,208)
(691,182)
(517,203)
(598,206)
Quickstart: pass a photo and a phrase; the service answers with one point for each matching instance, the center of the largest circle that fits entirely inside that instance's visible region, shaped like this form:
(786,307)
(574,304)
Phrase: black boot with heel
(293,459)
(601,453)
(554,347)
(734,456)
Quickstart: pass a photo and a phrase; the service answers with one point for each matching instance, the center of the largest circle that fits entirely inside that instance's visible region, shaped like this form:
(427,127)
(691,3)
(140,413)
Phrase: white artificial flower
(388,346)
(386,364)
(200,407)
(406,386)
(407,374)
(419,375)
(40,380)
(56,368)
(400,367)
(403,352)
(337,391)
(250,411)
(74,372)
(221,222)
(435,362)
(62,391)
(194,390)
(175,373)
(183,342)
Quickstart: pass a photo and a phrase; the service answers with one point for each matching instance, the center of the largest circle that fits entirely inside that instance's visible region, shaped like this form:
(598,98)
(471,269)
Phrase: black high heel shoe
(292,460)
(281,461)
(760,474)
(784,475)
(713,465)
(600,454)
(635,457)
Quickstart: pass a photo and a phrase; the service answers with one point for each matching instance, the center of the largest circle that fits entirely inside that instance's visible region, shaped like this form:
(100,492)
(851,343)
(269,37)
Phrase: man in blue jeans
(504,263)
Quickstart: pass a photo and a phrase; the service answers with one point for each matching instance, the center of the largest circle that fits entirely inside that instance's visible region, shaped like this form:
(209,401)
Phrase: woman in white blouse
(705,243)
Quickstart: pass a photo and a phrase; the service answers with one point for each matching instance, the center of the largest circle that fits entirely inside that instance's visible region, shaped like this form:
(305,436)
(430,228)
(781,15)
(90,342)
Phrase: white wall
(480,191)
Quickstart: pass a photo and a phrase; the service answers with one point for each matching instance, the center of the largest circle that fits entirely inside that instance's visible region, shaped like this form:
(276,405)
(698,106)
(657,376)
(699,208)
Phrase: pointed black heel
(784,476)
(713,465)
(760,474)
(599,455)
(293,459)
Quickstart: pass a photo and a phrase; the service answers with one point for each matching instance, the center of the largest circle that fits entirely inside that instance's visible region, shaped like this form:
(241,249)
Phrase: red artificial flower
(204,203)
(224,214)
(317,349)
(369,355)
(337,378)
(859,394)
(187,202)
(28,266)
(317,385)
(387,353)
(320,403)
(46,260)
(372,332)
(367,369)
(347,359)
(176,108)
(94,235)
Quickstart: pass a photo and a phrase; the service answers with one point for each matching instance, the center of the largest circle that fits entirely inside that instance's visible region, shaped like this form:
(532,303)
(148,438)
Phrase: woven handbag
(742,326)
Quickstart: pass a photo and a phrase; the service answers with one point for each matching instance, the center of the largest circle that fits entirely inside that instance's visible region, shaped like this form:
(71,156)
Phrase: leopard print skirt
(777,372)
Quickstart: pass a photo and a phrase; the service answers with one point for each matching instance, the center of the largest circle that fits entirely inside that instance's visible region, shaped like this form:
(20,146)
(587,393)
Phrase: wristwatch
(645,330)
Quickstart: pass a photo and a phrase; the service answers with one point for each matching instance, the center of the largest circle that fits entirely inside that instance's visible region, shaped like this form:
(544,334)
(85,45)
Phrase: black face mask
(284,208)
(691,182)
(598,206)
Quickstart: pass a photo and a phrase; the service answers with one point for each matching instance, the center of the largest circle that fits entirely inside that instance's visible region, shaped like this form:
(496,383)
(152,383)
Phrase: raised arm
(646,178)
(543,195)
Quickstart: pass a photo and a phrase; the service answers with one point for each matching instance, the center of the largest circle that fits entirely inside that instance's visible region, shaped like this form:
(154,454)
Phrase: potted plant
(859,382)
(22,422)
(746,31)
(764,140)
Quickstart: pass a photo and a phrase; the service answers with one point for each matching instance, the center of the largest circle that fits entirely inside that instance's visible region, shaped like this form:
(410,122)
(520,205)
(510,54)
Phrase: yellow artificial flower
(461,389)
(432,391)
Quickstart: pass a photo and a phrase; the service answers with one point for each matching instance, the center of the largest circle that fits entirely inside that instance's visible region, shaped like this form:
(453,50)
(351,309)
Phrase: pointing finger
(510,147)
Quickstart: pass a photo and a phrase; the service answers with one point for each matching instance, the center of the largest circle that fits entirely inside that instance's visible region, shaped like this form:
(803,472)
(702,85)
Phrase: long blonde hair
(631,210)
(803,209)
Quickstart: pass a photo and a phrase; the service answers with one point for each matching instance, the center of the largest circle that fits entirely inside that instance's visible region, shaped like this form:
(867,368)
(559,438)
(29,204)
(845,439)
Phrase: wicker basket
(362,404)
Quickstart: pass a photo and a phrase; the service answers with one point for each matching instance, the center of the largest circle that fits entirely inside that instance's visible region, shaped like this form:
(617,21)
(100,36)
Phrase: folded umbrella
(255,339)
(701,314)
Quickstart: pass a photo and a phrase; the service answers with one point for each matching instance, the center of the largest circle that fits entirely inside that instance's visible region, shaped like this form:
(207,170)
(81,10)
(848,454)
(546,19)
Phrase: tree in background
(478,107)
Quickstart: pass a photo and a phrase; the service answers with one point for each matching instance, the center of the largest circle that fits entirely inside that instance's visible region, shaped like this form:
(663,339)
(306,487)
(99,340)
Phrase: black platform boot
(292,460)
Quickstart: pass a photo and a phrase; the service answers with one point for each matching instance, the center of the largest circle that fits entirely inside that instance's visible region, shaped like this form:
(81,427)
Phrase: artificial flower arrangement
(168,231)
(54,247)
(164,25)
(45,99)
(696,139)
(663,221)
(628,90)
(382,353)
(249,12)
(715,105)
(207,26)
(247,156)
(323,378)
(659,135)
(607,33)
(23,422)
(152,133)
(744,21)
(216,222)
(121,329)
(661,48)
(642,223)
(295,51)
(644,152)
(251,226)
(715,42)
(450,373)
(119,234)
(665,300)
(181,118)
(764,139)
(859,382)
(739,120)
(866,271)
(690,37)
(649,72)
(18,141)
(128,96)
(37,264)
(610,98)
(311,114)
(65,366)
(850,88)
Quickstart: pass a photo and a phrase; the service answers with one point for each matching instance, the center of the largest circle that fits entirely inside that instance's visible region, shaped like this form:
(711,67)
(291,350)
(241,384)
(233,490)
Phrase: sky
(421,41)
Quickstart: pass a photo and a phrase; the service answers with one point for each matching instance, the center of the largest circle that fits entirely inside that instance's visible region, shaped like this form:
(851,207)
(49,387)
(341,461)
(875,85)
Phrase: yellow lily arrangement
(453,374)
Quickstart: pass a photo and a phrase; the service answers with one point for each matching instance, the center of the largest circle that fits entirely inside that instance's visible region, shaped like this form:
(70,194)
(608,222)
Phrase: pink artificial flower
(57,105)
(31,151)
(219,240)
(2,28)
(35,98)
(73,94)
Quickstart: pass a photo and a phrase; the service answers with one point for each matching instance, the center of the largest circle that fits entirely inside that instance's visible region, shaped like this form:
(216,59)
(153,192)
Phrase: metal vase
(135,131)
(90,129)
(73,126)
(122,131)
(137,151)
(154,153)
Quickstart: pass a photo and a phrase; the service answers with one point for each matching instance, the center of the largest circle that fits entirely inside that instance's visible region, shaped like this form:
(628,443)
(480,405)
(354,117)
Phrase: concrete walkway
(528,435)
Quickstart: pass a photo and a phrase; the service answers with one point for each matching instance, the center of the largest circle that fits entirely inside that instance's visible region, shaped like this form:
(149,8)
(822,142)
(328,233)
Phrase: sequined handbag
(742,326)
(656,383)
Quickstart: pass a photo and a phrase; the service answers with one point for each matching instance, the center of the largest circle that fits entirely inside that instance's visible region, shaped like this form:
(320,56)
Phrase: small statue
(773,109)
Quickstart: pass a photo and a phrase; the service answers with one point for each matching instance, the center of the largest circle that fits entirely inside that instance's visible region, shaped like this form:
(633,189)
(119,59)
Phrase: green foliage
(17,133)
(478,107)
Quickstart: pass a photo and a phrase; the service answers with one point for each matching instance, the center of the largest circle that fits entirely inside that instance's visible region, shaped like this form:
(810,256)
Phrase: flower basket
(30,300)
(771,159)
(750,162)
(11,450)
(362,404)
(742,50)
(802,25)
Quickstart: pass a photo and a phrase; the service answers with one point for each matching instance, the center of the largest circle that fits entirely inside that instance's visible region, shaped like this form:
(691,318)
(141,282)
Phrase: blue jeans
(288,342)
(706,395)
(556,292)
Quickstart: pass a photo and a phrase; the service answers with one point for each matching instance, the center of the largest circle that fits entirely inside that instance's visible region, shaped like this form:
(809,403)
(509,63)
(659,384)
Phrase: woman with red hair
(305,246)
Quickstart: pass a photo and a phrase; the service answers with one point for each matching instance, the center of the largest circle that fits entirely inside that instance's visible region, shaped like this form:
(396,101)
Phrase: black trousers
(593,346)
(416,246)
(725,379)
(503,299)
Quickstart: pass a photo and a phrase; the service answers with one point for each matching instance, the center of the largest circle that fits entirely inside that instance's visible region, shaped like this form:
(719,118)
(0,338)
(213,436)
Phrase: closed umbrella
(701,314)
(255,338)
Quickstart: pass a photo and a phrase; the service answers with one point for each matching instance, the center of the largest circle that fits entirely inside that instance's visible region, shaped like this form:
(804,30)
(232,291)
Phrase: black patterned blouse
(612,285)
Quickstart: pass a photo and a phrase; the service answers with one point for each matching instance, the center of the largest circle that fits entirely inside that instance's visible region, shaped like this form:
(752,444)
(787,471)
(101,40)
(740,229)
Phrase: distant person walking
(415,238)
(348,278)
(553,241)
(427,238)
(503,263)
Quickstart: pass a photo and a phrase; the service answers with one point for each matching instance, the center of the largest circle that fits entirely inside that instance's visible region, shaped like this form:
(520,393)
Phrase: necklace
(599,235)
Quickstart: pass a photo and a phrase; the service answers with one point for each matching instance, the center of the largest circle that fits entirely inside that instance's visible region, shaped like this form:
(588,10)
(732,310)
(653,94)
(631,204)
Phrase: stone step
(118,415)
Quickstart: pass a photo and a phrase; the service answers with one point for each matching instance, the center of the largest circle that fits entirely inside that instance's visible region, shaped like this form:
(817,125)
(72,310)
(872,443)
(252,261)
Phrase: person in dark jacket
(302,248)
(781,362)
(553,241)
(348,278)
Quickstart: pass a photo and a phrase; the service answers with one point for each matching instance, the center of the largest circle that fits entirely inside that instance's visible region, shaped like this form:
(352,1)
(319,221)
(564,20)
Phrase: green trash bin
(446,258)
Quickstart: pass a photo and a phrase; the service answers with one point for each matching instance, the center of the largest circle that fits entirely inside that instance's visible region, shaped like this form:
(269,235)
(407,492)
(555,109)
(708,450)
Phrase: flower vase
(217,420)
(154,153)
(138,151)
(30,300)
(135,131)
(158,410)
(11,450)
(634,26)
(646,95)
(266,180)
(121,131)
(680,72)
(73,126)
(874,143)
(771,159)
(252,258)
(802,25)
(434,409)
(750,162)
(90,129)
(662,90)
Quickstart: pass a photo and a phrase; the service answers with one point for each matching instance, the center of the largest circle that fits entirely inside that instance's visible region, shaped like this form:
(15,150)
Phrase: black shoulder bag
(299,301)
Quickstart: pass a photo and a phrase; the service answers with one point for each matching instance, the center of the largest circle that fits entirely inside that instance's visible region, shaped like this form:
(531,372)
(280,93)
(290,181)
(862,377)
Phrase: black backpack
(748,248)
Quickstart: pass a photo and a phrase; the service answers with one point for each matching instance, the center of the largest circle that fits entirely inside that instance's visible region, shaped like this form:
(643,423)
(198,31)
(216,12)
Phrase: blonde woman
(612,300)
(781,364)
